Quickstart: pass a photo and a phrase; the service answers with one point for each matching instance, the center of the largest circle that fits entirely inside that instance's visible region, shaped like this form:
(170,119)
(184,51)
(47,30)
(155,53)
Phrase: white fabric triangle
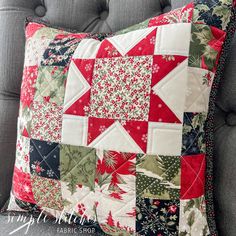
(172,89)
(76,86)
(87,49)
(116,138)
(125,42)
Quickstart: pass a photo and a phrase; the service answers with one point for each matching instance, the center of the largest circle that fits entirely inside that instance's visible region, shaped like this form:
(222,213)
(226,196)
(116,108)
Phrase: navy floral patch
(157,217)
(193,133)
(44,159)
(60,51)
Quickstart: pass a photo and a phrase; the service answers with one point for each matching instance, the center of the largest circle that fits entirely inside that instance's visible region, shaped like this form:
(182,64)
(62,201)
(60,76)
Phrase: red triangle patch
(145,47)
(80,107)
(97,126)
(138,131)
(160,112)
(107,50)
(163,65)
(86,67)
(25,133)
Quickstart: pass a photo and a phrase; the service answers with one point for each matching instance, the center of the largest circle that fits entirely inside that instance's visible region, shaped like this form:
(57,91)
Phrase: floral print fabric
(125,93)
(111,129)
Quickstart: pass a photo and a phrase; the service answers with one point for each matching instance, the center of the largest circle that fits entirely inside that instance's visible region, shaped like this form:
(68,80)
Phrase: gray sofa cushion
(104,16)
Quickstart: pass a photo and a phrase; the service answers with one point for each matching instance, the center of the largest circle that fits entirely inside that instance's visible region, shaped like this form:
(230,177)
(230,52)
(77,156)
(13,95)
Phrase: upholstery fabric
(83,16)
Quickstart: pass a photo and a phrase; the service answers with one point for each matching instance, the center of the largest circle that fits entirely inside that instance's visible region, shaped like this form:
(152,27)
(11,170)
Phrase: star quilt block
(115,130)
(127,93)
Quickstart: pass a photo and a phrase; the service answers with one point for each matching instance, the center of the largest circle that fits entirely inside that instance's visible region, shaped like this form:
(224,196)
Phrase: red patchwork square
(192,176)
(28,85)
(22,188)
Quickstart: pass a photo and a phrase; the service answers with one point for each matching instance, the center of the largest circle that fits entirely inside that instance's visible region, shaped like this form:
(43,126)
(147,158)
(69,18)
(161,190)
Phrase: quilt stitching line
(78,163)
(129,159)
(139,195)
(197,178)
(45,159)
(86,88)
(154,221)
(196,133)
(199,95)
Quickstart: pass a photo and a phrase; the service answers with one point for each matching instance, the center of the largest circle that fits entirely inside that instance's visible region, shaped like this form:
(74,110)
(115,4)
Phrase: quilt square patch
(192,176)
(60,50)
(193,218)
(158,177)
(205,46)
(30,74)
(213,12)
(79,202)
(22,153)
(193,134)
(77,166)
(37,44)
(50,85)
(199,87)
(112,170)
(121,88)
(47,192)
(46,121)
(44,159)
(157,217)
(22,186)
(114,189)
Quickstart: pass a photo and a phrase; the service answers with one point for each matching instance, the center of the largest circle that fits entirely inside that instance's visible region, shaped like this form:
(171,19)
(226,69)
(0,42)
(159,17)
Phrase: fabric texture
(114,130)
(12,16)
(83,15)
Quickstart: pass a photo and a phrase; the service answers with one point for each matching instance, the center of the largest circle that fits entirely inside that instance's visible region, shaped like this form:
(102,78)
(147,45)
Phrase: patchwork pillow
(118,132)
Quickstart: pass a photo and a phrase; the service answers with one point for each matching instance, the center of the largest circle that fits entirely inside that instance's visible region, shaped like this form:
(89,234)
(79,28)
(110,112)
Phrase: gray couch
(102,16)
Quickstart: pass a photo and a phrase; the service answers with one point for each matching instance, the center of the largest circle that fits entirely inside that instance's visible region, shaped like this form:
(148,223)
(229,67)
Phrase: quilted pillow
(118,132)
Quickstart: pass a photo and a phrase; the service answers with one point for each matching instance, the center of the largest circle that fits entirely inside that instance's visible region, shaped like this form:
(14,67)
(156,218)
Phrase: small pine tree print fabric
(112,128)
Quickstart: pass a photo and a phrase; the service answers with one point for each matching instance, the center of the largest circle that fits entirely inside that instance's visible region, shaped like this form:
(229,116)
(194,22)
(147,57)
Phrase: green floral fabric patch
(50,85)
(77,166)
